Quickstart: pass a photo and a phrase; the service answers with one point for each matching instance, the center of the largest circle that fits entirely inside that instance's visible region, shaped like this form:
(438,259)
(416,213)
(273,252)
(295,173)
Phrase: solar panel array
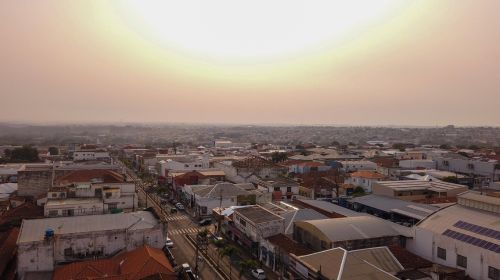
(478,229)
(472,240)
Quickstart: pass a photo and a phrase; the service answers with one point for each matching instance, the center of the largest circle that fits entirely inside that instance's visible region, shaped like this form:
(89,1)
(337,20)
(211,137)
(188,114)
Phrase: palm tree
(219,244)
(228,251)
(247,265)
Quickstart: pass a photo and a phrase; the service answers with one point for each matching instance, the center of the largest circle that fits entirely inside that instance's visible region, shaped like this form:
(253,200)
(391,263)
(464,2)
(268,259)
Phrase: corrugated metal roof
(333,208)
(353,228)
(447,217)
(300,215)
(388,204)
(34,230)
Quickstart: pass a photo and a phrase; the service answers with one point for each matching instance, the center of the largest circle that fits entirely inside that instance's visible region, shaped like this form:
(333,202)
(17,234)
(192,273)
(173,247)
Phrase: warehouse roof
(34,230)
(337,263)
(351,228)
(331,208)
(407,185)
(300,215)
(402,207)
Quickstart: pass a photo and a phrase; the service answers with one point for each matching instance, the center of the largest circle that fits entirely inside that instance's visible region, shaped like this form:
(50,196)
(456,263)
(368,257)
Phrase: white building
(464,236)
(355,165)
(204,198)
(44,243)
(257,222)
(417,163)
(89,192)
(460,164)
(182,163)
(364,179)
(91,155)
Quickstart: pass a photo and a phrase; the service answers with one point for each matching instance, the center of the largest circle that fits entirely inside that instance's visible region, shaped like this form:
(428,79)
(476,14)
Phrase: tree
(228,251)
(247,264)
(278,157)
(53,151)
(399,146)
(219,244)
(24,154)
(358,191)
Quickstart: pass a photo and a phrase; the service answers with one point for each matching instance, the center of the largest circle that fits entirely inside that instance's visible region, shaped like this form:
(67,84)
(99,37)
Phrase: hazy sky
(299,62)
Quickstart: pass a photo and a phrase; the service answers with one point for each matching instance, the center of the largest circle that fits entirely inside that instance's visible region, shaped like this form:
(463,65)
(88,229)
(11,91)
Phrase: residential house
(253,224)
(45,243)
(204,198)
(364,179)
(356,165)
(137,264)
(281,188)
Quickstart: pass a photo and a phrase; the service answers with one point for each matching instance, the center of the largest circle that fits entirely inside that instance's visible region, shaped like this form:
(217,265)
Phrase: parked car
(169,243)
(170,256)
(205,222)
(258,273)
(180,206)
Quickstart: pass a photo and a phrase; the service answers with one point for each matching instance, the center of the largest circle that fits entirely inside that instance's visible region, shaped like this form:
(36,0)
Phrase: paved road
(178,225)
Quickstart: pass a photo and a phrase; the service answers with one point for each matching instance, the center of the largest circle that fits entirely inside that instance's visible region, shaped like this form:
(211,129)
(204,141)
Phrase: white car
(179,206)
(169,243)
(258,273)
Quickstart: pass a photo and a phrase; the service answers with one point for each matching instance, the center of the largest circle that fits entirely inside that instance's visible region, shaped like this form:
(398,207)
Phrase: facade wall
(74,209)
(414,164)
(33,183)
(43,255)
(259,231)
(425,245)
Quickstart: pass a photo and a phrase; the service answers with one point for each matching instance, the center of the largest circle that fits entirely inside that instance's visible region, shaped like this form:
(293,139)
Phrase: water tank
(49,233)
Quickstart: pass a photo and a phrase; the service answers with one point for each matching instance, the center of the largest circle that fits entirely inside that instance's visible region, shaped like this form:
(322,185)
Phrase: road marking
(183,231)
(176,217)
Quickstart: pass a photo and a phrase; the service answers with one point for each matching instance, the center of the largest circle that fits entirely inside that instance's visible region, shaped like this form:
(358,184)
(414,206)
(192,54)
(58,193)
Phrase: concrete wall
(43,255)
(33,183)
(426,242)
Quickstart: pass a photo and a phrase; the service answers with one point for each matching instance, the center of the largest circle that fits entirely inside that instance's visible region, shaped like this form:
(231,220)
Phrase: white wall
(426,242)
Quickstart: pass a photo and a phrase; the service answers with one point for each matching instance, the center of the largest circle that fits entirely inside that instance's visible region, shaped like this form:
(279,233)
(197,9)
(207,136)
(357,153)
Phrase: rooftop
(300,215)
(407,185)
(289,245)
(402,207)
(368,175)
(331,208)
(137,264)
(72,201)
(83,176)
(34,230)
(218,190)
(351,228)
(373,263)
(257,214)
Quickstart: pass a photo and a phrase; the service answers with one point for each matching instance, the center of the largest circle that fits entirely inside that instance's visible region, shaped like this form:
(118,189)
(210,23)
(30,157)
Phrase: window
(68,251)
(493,273)
(461,261)
(470,166)
(441,253)
(54,194)
(243,223)
(53,213)
(289,189)
(277,189)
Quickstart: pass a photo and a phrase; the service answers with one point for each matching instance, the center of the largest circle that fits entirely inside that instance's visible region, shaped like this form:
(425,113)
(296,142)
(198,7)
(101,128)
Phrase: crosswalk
(189,230)
(176,217)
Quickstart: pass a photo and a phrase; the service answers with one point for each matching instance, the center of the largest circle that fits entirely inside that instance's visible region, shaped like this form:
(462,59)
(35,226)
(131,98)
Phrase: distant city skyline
(360,63)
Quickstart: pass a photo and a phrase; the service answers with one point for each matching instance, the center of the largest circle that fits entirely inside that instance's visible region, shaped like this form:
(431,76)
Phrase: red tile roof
(24,211)
(137,264)
(368,175)
(85,176)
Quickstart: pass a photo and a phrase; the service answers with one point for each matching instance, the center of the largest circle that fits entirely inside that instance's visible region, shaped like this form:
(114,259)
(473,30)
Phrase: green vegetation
(247,264)
(358,191)
(23,154)
(278,157)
